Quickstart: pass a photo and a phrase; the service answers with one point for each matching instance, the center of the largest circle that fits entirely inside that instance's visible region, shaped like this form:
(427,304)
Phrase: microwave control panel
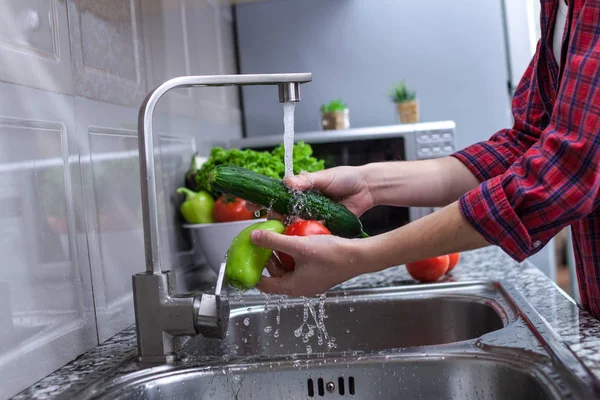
(359,146)
(434,143)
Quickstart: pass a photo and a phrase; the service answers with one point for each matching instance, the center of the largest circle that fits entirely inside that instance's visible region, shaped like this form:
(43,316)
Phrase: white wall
(452,53)
(73,76)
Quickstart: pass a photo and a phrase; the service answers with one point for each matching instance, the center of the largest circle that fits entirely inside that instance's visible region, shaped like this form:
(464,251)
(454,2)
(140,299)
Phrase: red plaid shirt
(544,173)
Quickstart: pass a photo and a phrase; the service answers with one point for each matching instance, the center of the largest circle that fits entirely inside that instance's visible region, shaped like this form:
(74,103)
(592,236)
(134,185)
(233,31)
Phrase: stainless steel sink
(435,377)
(450,341)
(366,320)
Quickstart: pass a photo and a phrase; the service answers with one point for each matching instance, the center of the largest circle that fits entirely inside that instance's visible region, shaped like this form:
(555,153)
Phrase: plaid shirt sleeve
(491,158)
(535,183)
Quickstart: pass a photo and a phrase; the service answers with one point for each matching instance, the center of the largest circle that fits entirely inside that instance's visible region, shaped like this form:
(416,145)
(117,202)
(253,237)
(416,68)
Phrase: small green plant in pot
(335,115)
(406,103)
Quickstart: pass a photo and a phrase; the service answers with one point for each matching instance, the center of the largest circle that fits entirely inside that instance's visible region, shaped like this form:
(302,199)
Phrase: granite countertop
(577,328)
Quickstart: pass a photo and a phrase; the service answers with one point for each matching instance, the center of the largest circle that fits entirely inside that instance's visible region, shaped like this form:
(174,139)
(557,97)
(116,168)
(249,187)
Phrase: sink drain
(330,387)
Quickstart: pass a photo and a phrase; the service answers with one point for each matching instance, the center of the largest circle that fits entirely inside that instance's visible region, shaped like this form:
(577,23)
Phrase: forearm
(443,232)
(428,183)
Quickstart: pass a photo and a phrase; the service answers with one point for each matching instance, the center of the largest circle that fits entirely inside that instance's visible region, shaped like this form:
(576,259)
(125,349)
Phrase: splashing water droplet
(238,295)
(267,297)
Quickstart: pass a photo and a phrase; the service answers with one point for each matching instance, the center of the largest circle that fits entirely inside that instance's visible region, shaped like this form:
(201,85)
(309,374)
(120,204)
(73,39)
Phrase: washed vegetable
(454,257)
(300,228)
(230,208)
(273,194)
(428,270)
(245,260)
(197,207)
(262,162)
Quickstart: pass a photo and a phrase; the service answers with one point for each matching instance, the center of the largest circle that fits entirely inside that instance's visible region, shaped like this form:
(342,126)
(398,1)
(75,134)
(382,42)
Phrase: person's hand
(322,262)
(344,184)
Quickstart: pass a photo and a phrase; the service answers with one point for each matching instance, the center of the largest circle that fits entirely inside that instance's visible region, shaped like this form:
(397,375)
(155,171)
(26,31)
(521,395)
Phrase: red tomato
(230,208)
(300,228)
(454,257)
(428,270)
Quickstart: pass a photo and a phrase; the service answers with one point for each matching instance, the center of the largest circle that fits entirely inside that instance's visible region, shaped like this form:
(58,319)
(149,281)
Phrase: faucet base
(159,316)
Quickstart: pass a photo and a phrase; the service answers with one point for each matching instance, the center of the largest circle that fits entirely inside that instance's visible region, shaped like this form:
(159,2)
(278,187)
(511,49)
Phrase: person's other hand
(322,262)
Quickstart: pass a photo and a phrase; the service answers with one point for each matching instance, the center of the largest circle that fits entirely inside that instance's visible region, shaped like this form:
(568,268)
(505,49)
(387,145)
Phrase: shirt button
(537,244)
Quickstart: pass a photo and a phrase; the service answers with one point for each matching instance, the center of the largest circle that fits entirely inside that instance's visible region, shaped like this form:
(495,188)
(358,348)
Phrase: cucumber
(273,194)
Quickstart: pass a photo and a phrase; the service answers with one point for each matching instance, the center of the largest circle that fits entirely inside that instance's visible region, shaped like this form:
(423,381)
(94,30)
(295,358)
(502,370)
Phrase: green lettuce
(269,163)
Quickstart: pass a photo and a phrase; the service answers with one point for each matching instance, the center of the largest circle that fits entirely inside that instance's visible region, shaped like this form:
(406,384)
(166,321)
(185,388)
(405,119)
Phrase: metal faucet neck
(160,315)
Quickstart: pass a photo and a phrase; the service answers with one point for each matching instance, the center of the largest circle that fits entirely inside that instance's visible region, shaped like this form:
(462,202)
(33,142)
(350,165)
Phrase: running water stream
(313,318)
(288,137)
(318,315)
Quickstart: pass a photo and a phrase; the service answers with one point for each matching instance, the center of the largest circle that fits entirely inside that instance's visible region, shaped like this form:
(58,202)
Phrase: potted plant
(406,103)
(335,115)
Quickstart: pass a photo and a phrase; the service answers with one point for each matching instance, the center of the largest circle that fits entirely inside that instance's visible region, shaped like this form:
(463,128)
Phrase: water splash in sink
(307,330)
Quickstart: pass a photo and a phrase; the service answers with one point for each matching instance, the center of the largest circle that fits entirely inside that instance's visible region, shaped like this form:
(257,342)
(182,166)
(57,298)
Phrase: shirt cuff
(488,210)
(484,160)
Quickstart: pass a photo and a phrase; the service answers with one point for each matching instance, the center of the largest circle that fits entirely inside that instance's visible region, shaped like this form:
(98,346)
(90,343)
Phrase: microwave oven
(360,146)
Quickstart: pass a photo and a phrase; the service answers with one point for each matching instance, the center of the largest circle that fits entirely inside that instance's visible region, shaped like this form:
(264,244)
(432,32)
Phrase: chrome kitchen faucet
(160,314)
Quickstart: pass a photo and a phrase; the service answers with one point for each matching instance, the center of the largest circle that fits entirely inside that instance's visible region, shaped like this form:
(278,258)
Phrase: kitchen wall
(73,74)
(454,54)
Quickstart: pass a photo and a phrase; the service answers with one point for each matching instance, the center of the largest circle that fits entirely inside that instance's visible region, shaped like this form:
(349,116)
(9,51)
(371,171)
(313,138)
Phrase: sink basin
(372,320)
(435,377)
(478,340)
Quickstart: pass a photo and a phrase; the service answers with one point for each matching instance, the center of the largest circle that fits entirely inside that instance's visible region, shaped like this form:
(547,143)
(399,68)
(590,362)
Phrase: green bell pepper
(197,207)
(245,260)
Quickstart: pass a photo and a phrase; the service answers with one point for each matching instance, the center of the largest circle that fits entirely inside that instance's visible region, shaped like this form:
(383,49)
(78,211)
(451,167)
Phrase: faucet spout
(161,315)
(289,92)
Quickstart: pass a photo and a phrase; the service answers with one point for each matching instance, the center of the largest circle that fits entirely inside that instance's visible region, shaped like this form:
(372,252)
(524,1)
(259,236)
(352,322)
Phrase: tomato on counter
(230,208)
(429,270)
(454,257)
(300,228)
